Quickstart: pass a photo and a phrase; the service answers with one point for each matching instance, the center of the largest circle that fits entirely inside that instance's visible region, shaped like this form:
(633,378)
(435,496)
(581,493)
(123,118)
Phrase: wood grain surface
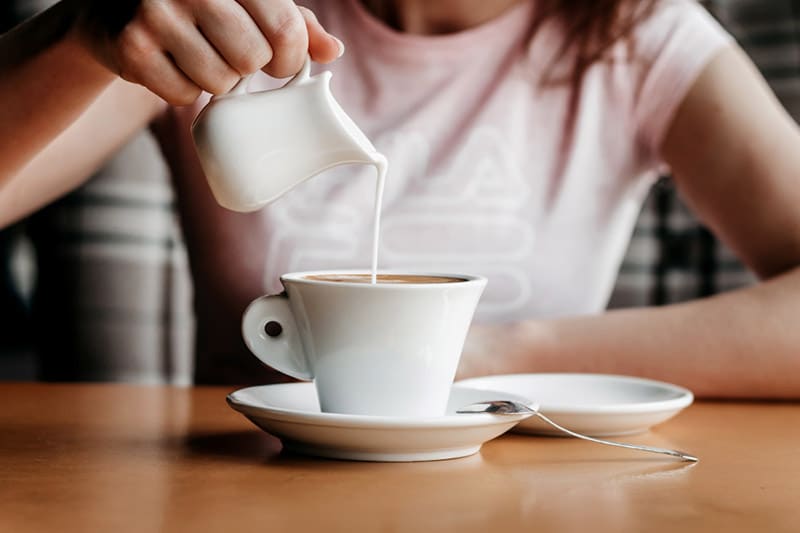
(116,458)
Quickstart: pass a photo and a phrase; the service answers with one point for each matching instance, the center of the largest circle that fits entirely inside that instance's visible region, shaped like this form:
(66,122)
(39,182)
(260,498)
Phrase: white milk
(381,167)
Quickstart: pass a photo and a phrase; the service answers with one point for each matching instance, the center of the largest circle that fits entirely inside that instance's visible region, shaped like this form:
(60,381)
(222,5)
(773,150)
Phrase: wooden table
(114,458)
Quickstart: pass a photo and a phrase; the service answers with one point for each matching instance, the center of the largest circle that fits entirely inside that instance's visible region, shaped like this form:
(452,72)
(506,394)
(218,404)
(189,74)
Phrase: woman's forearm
(62,112)
(741,344)
(47,80)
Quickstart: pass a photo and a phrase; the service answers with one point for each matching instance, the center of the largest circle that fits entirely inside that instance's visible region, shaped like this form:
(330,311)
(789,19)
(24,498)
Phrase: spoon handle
(674,453)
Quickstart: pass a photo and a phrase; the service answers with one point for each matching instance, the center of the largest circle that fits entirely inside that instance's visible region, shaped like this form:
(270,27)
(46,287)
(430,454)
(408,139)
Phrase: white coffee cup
(385,349)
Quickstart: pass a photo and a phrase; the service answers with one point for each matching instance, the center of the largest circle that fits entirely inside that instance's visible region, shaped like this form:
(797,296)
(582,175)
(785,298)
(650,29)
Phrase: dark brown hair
(592,27)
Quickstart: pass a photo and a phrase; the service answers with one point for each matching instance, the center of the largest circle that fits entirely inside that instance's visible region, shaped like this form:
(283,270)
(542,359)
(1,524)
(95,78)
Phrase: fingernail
(341,46)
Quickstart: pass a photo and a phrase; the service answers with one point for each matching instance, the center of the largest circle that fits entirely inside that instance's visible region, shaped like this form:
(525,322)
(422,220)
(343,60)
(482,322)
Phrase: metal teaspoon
(507,407)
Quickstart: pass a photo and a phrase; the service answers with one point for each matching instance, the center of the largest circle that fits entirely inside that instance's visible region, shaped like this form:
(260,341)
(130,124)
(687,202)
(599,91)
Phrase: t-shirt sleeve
(673,46)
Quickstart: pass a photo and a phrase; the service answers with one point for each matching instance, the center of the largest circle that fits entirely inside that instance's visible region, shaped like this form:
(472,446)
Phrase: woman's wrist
(524,346)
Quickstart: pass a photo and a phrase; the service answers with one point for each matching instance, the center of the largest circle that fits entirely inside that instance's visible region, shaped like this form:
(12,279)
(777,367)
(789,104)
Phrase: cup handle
(270,332)
(242,86)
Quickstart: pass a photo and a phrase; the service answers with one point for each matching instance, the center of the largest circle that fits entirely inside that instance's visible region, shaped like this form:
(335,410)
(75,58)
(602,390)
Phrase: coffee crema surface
(387,279)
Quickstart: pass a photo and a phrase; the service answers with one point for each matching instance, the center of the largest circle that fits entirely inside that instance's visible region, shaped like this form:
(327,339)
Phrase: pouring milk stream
(256,146)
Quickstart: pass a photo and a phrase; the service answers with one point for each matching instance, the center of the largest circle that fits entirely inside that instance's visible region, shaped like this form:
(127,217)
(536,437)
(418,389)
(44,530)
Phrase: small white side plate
(291,412)
(598,405)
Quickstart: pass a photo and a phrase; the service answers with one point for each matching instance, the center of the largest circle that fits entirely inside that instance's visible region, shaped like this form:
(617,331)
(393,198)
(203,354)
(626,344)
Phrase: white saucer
(291,412)
(594,404)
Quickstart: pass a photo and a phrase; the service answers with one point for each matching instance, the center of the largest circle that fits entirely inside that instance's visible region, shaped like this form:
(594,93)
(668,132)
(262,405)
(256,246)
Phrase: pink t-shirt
(481,178)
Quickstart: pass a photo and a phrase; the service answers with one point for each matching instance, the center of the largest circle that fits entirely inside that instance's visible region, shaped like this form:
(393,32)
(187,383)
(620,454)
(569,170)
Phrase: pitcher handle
(243,84)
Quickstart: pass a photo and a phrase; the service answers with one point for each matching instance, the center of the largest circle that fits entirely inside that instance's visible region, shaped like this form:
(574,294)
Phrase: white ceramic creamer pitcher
(254,147)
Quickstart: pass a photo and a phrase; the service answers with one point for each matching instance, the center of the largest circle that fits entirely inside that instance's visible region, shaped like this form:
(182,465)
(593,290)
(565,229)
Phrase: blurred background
(108,260)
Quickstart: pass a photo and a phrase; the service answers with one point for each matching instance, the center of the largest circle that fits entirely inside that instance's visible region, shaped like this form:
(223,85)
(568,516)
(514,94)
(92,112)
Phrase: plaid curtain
(113,293)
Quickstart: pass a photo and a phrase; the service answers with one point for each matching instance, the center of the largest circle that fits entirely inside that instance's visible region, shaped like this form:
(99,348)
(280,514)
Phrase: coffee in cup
(385,278)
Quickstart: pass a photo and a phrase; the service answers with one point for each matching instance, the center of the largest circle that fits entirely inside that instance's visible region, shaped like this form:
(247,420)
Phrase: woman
(522,136)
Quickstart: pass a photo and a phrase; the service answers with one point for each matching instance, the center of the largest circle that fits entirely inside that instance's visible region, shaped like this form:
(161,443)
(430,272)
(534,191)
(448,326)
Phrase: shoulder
(679,26)
(671,29)
(671,47)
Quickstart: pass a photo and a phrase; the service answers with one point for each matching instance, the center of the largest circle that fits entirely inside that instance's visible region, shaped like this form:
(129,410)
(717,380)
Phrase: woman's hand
(180,48)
